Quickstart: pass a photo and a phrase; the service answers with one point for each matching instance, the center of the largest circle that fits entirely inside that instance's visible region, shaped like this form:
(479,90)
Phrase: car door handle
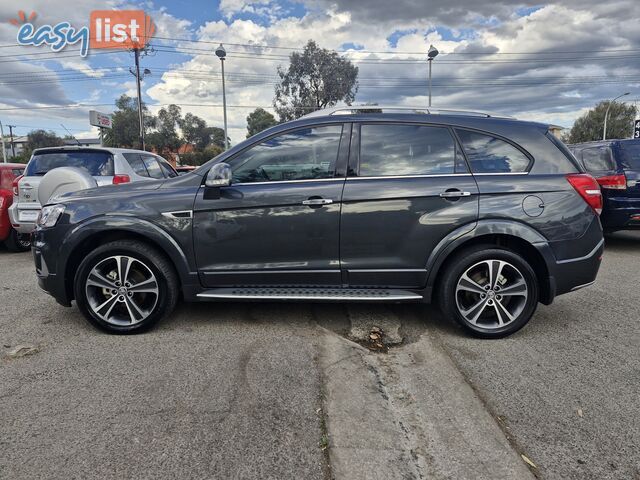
(455,194)
(315,202)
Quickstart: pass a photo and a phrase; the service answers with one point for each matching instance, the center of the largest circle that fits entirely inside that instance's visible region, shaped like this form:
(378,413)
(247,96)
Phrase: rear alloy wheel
(490,292)
(125,287)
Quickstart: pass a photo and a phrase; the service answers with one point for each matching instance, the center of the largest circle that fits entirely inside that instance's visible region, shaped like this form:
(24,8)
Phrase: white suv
(108,166)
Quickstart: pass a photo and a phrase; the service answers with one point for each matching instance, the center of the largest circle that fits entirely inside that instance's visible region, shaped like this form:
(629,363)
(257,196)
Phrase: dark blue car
(616,166)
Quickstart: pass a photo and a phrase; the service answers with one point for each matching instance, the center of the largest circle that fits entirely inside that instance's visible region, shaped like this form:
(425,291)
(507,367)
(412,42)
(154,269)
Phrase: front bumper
(17,214)
(45,260)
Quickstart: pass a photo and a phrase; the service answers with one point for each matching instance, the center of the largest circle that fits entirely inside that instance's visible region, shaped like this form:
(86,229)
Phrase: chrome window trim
(332,179)
(435,175)
(484,174)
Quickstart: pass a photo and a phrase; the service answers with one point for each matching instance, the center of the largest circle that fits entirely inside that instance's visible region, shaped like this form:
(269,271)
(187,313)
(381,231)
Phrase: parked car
(182,169)
(487,216)
(109,166)
(14,241)
(616,166)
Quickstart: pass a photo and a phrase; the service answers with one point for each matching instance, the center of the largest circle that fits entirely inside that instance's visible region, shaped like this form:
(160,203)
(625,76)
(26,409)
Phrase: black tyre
(490,291)
(18,242)
(125,287)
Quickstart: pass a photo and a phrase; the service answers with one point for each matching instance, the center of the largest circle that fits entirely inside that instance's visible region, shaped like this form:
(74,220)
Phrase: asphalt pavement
(285,391)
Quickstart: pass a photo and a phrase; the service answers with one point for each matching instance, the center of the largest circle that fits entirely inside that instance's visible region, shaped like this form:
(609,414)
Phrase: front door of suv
(278,221)
(408,187)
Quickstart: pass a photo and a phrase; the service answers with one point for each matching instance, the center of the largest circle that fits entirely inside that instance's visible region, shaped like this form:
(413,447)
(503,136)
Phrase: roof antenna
(71,134)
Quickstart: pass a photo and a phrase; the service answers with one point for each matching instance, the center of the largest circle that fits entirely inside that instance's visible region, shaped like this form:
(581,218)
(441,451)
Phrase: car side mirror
(219,176)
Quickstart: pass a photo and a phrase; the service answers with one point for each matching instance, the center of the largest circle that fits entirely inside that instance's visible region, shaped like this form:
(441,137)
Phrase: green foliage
(126,131)
(198,158)
(38,139)
(316,78)
(259,120)
(166,139)
(589,127)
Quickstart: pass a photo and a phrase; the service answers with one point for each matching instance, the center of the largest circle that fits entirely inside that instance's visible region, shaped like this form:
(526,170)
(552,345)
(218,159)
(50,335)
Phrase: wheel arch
(101,231)
(520,238)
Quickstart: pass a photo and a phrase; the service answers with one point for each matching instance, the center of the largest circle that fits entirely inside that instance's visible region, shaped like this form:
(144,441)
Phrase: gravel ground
(234,390)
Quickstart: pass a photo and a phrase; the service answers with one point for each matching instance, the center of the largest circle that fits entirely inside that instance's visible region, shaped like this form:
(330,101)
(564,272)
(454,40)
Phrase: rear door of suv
(408,186)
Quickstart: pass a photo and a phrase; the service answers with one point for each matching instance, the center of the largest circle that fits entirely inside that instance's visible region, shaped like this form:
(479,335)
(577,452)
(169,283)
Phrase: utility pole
(4,150)
(136,52)
(13,148)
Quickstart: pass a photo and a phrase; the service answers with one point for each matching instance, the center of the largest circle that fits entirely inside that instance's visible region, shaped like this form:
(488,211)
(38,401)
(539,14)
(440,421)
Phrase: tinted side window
(598,159)
(168,170)
(136,163)
(406,150)
(152,166)
(304,154)
(488,154)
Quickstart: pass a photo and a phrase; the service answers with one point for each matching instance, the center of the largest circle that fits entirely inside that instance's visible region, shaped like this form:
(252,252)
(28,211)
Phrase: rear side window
(630,155)
(97,163)
(168,170)
(136,163)
(152,166)
(387,150)
(598,159)
(488,154)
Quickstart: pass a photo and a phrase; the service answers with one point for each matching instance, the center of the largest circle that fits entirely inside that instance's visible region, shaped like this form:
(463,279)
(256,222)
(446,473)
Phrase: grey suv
(485,215)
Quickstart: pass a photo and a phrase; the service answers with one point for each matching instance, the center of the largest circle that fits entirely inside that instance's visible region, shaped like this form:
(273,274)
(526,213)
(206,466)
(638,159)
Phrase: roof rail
(358,109)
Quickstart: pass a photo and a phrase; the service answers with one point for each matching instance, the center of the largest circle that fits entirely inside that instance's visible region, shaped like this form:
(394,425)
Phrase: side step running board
(315,294)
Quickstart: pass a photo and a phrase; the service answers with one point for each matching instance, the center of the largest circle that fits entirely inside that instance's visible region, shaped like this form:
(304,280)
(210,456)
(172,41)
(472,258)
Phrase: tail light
(613,182)
(118,179)
(16,191)
(588,188)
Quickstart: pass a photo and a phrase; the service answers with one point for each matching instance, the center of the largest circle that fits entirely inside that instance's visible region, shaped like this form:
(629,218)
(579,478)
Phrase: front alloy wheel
(122,290)
(125,286)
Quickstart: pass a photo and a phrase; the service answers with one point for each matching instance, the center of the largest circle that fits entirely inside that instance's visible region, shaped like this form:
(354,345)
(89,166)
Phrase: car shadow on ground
(623,241)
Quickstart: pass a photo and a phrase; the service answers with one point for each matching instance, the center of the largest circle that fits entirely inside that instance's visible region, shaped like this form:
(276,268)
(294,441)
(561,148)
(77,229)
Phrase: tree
(166,139)
(316,78)
(125,131)
(259,120)
(41,139)
(589,127)
(194,131)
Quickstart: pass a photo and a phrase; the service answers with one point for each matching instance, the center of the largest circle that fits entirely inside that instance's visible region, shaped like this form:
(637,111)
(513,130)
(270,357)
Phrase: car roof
(597,143)
(72,148)
(12,165)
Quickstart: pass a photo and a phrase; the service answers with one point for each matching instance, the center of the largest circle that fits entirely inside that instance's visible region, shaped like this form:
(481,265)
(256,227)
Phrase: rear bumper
(621,213)
(575,273)
(22,226)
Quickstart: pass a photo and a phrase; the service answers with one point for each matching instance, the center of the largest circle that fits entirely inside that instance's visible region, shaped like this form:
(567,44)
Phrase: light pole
(604,130)
(431,54)
(4,151)
(222,53)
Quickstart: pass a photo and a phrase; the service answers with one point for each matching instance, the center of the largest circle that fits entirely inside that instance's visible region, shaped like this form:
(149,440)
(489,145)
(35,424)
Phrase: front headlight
(50,214)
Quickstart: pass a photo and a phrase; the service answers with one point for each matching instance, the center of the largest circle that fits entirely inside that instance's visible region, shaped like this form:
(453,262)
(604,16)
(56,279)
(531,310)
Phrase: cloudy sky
(540,61)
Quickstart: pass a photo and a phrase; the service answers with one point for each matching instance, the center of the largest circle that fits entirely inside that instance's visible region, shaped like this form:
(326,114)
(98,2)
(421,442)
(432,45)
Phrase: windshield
(97,163)
(630,155)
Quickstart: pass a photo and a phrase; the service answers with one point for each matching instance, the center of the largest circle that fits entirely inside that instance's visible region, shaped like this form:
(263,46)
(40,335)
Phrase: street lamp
(222,53)
(604,130)
(431,54)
